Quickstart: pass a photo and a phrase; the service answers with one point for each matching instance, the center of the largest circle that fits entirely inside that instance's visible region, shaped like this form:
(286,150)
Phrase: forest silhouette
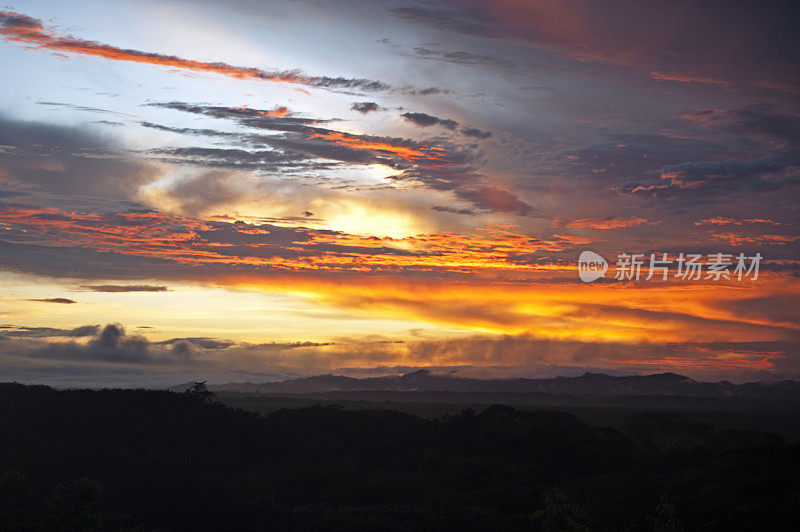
(158,460)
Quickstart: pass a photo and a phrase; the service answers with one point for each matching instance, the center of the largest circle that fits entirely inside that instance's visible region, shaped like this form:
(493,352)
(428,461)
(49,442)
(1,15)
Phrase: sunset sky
(252,191)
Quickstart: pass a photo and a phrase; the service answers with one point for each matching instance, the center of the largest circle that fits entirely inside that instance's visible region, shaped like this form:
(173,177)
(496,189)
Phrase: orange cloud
(608,223)
(190,241)
(20,28)
(490,281)
(358,142)
(277,112)
(734,239)
(684,77)
(721,220)
(556,310)
(743,361)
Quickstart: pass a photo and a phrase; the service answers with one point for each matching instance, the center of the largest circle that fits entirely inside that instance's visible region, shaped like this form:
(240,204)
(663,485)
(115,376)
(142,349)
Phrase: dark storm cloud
(426,120)
(118,288)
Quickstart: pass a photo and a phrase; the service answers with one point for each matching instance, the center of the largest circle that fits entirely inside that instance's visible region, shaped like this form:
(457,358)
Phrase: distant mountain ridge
(586,384)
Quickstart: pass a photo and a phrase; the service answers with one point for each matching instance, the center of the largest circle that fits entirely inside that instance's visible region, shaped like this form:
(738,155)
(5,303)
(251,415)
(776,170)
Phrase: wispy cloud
(20,28)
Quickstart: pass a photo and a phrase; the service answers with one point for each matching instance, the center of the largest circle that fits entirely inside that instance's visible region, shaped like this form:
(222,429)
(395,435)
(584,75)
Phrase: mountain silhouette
(586,384)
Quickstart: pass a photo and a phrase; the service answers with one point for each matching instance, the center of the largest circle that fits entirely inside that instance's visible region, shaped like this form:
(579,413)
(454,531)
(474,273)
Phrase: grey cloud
(302,137)
(349,83)
(477,133)
(721,176)
(461,57)
(117,288)
(758,119)
(247,115)
(202,342)
(632,155)
(83,108)
(446,170)
(197,194)
(452,210)
(69,161)
(461,20)
(426,120)
(232,158)
(49,332)
(111,344)
(784,127)
(13,193)
(691,172)
(635,34)
(364,107)
(496,200)
(61,300)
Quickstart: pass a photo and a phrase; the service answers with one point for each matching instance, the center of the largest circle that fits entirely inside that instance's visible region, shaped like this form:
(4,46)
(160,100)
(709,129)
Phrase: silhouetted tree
(76,506)
(666,518)
(560,515)
(200,391)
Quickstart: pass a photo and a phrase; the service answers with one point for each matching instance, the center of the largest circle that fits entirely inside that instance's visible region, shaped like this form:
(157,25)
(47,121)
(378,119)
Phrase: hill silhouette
(157,460)
(586,384)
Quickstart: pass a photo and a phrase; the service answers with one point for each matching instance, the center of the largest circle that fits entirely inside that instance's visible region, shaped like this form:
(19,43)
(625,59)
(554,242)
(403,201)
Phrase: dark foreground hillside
(146,460)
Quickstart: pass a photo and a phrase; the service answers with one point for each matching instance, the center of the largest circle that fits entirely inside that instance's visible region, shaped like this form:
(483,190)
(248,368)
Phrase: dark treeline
(148,460)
